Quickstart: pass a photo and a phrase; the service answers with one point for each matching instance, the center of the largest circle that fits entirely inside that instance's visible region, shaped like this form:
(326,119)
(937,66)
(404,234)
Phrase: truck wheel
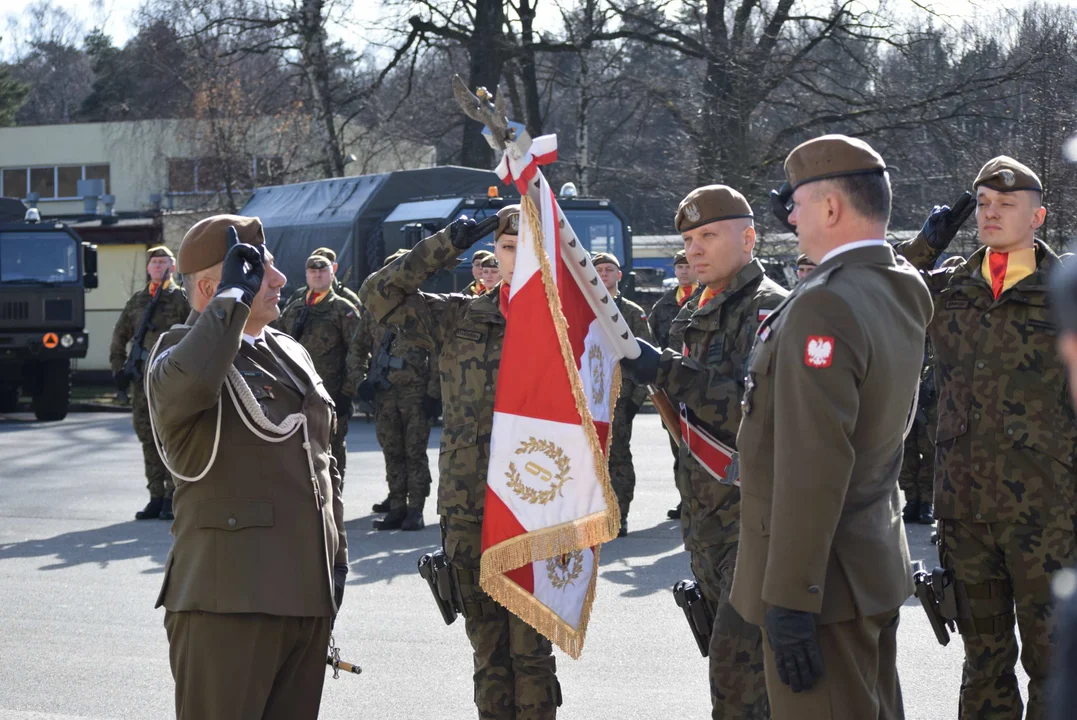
(9,399)
(53,392)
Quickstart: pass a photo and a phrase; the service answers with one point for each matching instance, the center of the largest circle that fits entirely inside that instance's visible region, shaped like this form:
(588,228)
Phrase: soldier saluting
(147,314)
(1005,478)
(824,563)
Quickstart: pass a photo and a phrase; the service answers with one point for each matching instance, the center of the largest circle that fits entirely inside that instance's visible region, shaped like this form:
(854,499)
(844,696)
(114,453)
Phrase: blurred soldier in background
(478,287)
(338,287)
(804,267)
(491,276)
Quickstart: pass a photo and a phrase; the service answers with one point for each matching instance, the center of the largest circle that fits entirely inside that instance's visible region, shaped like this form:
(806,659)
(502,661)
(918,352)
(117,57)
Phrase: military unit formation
(885,366)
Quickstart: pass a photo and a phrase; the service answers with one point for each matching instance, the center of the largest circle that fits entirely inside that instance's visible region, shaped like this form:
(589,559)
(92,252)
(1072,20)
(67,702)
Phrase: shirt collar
(251,339)
(851,246)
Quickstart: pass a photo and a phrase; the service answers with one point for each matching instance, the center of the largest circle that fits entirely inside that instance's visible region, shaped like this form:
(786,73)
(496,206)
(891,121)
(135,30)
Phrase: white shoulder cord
(912,412)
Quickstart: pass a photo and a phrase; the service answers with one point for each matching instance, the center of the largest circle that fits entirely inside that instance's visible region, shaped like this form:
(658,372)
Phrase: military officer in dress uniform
(171,309)
(478,287)
(514,668)
(1005,468)
(257,570)
(824,563)
(633,394)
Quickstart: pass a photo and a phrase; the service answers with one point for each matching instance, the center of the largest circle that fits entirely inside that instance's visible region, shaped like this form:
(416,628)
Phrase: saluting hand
(942,224)
(791,634)
(465,232)
(243,268)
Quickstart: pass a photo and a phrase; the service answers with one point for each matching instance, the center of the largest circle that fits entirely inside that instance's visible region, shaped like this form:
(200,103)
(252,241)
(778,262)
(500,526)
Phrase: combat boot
(927,513)
(381,507)
(675,513)
(393,521)
(152,511)
(624,528)
(414,520)
(911,513)
(166,509)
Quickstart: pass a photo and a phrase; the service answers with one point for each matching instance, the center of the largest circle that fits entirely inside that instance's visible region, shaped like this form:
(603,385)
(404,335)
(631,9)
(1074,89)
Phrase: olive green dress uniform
(632,397)
(830,388)
(248,585)
(172,309)
(1005,469)
(515,671)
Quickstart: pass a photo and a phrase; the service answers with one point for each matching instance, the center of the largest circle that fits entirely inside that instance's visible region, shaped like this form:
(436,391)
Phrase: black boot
(414,520)
(624,528)
(675,513)
(152,511)
(393,520)
(381,507)
(911,513)
(927,513)
(166,509)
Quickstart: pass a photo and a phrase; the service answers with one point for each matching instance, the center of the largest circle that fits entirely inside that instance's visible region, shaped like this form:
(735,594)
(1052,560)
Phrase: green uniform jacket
(328,334)
(709,380)
(1007,437)
(172,309)
(420,366)
(466,333)
(636,318)
(830,388)
(662,316)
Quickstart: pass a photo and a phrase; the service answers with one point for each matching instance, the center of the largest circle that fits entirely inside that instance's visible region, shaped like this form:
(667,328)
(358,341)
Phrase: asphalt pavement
(80,638)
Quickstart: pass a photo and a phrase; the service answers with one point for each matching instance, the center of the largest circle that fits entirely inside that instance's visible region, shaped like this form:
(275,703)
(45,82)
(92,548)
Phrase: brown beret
(804,260)
(328,253)
(316,262)
(159,251)
(681,258)
(831,156)
(489,262)
(508,221)
(206,243)
(1007,175)
(481,255)
(710,203)
(601,258)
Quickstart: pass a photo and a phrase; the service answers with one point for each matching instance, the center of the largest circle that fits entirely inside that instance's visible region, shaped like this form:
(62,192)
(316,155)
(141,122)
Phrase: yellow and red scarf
(1004,270)
(684,292)
(707,295)
(154,287)
(313,298)
(503,290)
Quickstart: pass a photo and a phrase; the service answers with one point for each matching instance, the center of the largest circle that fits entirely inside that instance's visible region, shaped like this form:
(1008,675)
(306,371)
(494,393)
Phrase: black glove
(243,268)
(122,380)
(779,205)
(431,406)
(643,369)
(340,576)
(365,391)
(791,634)
(465,232)
(942,224)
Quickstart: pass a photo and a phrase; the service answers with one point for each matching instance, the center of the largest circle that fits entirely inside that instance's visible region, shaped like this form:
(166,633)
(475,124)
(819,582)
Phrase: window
(43,181)
(209,175)
(268,171)
(98,172)
(38,257)
(67,181)
(58,182)
(14,180)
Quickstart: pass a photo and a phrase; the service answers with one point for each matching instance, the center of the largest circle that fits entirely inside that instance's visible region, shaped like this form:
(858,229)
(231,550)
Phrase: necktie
(265,357)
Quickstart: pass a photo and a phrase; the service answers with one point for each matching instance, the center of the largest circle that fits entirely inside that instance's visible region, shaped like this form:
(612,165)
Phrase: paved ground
(78,580)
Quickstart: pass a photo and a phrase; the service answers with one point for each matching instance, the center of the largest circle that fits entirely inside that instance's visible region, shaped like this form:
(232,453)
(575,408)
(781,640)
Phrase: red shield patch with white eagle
(819,352)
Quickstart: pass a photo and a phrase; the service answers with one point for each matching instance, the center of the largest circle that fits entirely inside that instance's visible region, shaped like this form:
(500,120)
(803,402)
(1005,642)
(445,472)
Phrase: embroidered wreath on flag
(557,570)
(529,494)
(598,375)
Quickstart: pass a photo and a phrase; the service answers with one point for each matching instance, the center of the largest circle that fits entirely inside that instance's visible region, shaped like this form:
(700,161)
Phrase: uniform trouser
(158,479)
(246,667)
(403,431)
(338,443)
(917,477)
(859,682)
(622,474)
(1006,570)
(738,688)
(515,670)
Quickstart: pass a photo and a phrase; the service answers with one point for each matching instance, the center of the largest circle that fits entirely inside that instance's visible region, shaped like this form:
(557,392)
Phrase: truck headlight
(67,341)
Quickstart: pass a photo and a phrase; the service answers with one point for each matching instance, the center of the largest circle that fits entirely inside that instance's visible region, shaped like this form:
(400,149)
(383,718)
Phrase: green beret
(326,253)
(508,221)
(159,251)
(206,243)
(804,260)
(681,258)
(831,156)
(1007,175)
(711,203)
(600,258)
(489,262)
(481,255)
(316,262)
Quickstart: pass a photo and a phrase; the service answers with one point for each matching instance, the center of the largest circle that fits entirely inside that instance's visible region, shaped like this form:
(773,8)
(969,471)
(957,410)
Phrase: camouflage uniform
(328,334)
(660,320)
(1006,487)
(622,474)
(338,287)
(709,380)
(917,478)
(401,423)
(514,665)
(172,309)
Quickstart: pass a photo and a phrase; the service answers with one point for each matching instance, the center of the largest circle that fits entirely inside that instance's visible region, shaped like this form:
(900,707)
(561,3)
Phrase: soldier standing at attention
(171,309)
(260,558)
(338,287)
(478,287)
(713,334)
(515,671)
(804,267)
(491,276)
(1005,478)
(325,324)
(406,400)
(824,563)
(622,473)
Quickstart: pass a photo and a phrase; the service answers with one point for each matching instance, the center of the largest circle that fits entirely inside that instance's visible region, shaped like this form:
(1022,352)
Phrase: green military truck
(45,271)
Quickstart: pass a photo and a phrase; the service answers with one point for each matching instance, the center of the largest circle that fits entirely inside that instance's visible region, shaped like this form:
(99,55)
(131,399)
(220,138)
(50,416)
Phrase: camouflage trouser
(738,683)
(158,479)
(403,431)
(515,670)
(917,478)
(338,444)
(1004,567)
(622,474)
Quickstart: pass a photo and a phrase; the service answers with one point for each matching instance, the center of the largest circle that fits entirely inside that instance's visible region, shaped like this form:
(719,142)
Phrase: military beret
(1064,296)
(159,251)
(601,258)
(710,203)
(206,243)
(316,262)
(489,262)
(508,221)
(681,258)
(481,255)
(831,156)
(1007,175)
(328,253)
(805,260)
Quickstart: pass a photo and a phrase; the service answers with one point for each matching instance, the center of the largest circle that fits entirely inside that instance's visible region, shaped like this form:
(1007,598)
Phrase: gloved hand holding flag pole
(549,504)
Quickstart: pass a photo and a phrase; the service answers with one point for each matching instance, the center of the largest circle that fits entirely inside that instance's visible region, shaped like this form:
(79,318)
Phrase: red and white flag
(549,503)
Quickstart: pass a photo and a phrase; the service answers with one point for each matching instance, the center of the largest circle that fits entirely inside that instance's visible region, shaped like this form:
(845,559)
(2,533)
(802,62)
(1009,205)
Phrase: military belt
(473,609)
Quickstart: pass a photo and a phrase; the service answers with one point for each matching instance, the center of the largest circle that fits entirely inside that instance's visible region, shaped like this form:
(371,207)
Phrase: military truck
(45,271)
